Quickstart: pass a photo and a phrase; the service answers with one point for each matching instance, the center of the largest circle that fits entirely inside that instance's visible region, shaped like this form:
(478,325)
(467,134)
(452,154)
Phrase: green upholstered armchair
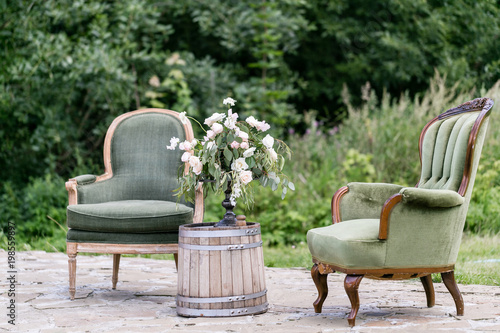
(131,208)
(393,232)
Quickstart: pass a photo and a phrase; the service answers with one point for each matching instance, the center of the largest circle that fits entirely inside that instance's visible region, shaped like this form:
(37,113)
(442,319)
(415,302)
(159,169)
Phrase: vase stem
(229,219)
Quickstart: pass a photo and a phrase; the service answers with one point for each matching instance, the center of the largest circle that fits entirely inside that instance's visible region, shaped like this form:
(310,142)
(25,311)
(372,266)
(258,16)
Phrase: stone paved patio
(145,301)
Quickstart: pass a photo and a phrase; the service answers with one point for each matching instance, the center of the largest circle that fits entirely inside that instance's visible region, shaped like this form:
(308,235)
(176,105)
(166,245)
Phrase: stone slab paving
(145,301)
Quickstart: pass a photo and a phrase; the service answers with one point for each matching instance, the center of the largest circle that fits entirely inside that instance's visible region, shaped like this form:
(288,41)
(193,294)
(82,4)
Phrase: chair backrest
(137,164)
(450,146)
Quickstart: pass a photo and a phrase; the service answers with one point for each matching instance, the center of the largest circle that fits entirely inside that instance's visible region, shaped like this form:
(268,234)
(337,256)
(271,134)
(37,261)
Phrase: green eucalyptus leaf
(274,185)
(227,154)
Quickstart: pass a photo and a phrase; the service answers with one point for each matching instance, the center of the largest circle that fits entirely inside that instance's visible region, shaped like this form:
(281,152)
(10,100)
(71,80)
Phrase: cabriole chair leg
(351,284)
(320,280)
(451,285)
(429,289)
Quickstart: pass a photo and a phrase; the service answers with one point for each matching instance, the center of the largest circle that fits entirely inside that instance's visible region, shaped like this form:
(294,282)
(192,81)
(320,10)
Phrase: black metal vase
(229,219)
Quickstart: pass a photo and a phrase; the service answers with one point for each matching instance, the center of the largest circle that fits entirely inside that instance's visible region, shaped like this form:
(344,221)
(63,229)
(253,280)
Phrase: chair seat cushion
(129,216)
(349,244)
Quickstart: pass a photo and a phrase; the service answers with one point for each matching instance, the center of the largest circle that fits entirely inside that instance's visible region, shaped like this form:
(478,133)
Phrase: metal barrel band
(218,233)
(222,312)
(221,299)
(220,247)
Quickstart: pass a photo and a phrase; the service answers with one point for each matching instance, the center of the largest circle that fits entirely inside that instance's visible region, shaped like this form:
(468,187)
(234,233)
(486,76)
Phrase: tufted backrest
(447,146)
(138,166)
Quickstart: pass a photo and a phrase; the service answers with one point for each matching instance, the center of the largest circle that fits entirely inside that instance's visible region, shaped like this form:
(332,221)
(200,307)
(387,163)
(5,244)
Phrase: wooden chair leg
(71,250)
(451,285)
(429,289)
(322,286)
(176,259)
(116,267)
(351,284)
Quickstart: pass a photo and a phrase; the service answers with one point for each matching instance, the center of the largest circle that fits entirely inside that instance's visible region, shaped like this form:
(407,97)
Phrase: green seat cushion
(129,216)
(81,236)
(349,244)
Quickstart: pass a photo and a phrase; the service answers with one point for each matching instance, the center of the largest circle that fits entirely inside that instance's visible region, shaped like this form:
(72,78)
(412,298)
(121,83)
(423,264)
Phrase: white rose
(268,141)
(246,176)
(185,157)
(272,154)
(195,163)
(239,165)
(186,145)
(229,101)
(210,134)
(244,145)
(263,126)
(243,135)
(248,152)
(217,128)
(214,118)
(252,121)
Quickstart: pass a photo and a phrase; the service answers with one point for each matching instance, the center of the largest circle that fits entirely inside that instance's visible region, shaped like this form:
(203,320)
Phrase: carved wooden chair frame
(73,248)
(320,271)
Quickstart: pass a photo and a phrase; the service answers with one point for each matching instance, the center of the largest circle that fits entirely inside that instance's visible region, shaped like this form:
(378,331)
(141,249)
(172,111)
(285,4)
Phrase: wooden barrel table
(221,271)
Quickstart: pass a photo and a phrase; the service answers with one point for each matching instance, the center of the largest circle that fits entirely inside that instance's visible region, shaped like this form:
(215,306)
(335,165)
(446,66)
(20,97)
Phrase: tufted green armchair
(393,232)
(131,208)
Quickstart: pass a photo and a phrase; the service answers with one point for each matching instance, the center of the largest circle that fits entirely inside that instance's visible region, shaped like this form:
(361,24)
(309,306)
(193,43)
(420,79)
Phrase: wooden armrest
(386,213)
(336,203)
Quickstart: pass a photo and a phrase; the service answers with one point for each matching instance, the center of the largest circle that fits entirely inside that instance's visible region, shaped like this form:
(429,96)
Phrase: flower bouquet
(231,155)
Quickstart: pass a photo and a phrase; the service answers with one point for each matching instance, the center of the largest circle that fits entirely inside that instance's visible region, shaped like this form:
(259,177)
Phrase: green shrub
(38,211)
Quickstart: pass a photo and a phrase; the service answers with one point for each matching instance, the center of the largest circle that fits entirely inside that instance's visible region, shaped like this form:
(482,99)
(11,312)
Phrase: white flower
(229,101)
(243,135)
(252,121)
(217,128)
(173,143)
(231,119)
(239,165)
(214,118)
(246,176)
(263,126)
(210,134)
(272,154)
(183,118)
(268,141)
(235,145)
(248,152)
(185,157)
(244,145)
(195,163)
(236,193)
(186,145)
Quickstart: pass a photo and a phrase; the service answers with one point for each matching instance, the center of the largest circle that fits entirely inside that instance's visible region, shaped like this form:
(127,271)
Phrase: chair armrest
(431,198)
(73,183)
(361,200)
(85,179)
(426,199)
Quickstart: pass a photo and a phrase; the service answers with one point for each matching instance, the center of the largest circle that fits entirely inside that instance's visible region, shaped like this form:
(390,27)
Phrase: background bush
(69,67)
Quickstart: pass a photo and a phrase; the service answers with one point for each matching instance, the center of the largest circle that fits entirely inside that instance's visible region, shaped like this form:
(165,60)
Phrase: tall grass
(377,142)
